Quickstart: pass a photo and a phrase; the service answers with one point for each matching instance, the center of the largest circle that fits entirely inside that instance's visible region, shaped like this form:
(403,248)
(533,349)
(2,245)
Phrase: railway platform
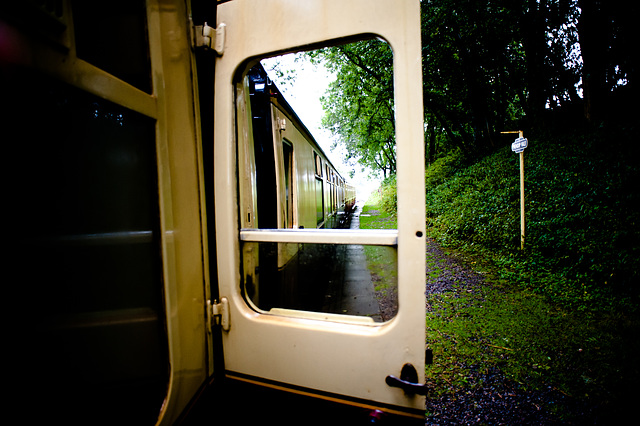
(356,295)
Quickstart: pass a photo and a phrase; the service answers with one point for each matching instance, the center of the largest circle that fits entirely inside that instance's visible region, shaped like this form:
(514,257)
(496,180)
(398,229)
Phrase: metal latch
(408,381)
(206,37)
(218,313)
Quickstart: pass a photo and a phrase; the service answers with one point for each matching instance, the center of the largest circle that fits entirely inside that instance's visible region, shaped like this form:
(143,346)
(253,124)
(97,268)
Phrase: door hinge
(206,37)
(218,314)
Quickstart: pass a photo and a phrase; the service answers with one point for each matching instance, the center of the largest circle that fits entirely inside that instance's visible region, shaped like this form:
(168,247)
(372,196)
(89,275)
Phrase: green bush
(443,168)
(389,195)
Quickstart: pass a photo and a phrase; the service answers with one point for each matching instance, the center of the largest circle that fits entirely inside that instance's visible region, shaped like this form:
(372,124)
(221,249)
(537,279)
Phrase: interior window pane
(85,204)
(114,38)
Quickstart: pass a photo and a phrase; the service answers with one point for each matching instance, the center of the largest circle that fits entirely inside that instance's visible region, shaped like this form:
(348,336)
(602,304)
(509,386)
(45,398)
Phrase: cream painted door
(332,354)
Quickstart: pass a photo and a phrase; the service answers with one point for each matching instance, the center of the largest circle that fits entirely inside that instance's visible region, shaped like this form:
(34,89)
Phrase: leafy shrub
(389,195)
(443,168)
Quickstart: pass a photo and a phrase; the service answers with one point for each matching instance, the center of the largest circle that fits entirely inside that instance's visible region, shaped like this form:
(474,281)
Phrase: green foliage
(384,200)
(487,66)
(473,72)
(443,168)
(582,356)
(475,205)
(389,195)
(582,226)
(358,105)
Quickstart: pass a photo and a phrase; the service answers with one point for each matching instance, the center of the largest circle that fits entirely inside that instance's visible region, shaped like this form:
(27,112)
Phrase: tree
(488,66)
(472,73)
(359,103)
(608,52)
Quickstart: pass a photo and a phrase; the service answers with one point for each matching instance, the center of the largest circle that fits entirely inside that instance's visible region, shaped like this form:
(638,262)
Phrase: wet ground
(358,296)
(490,399)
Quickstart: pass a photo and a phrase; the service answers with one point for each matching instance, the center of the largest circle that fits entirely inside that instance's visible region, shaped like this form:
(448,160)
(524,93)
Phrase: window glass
(85,201)
(115,39)
(310,164)
(318,164)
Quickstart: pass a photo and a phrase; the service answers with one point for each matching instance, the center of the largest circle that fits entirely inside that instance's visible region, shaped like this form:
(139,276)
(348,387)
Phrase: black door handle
(408,381)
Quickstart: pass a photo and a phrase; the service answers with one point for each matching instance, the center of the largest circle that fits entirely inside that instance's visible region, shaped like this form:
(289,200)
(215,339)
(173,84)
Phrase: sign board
(519,145)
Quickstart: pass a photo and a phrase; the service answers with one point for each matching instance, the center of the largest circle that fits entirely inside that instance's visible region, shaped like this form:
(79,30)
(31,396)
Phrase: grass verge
(586,358)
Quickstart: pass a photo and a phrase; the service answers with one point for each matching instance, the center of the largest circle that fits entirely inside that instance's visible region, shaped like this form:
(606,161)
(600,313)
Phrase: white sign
(519,145)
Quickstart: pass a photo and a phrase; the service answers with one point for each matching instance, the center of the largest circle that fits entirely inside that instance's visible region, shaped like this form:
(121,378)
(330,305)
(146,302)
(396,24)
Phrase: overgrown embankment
(582,221)
(504,354)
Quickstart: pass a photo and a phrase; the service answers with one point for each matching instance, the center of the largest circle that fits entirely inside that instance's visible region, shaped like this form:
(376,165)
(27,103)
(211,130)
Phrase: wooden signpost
(518,147)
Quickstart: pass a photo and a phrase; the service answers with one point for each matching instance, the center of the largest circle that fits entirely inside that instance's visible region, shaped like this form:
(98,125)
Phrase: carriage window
(318,190)
(318,164)
(86,204)
(310,164)
(114,39)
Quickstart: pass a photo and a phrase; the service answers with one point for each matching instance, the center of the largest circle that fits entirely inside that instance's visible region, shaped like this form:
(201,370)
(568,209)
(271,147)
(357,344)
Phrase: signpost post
(518,147)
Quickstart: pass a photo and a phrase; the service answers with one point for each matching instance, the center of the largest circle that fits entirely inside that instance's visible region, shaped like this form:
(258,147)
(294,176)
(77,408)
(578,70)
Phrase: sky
(303,92)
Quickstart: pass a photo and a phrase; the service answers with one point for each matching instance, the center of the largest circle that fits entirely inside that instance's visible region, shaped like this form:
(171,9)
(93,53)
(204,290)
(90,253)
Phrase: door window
(303,184)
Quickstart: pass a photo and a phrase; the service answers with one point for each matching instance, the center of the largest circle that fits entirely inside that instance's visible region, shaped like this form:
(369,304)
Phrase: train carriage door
(331,356)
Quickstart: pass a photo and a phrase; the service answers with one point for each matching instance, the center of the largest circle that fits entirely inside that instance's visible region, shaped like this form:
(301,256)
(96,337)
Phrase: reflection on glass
(85,205)
(344,279)
(115,39)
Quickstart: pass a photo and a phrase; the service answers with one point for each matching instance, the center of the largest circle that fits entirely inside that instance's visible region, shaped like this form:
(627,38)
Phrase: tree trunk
(533,38)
